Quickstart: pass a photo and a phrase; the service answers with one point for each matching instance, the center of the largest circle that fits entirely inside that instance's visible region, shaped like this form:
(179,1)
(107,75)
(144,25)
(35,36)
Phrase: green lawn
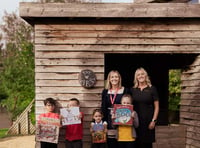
(3,132)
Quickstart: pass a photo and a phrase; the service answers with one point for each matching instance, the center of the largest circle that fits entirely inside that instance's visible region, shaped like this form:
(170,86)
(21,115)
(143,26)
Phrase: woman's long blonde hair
(136,83)
(108,84)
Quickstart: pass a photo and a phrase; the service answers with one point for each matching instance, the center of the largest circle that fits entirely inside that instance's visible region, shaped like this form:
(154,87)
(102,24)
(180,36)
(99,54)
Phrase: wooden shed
(71,37)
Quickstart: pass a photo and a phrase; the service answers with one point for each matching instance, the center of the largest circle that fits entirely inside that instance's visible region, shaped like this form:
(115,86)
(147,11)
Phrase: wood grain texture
(103,9)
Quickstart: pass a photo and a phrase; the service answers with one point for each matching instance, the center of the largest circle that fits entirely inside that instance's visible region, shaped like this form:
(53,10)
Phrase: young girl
(98,130)
(126,134)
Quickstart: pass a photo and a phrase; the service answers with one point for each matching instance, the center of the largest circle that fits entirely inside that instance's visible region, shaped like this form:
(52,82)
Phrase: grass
(3,132)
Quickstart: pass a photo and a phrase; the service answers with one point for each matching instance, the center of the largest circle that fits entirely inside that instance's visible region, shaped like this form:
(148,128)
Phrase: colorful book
(123,114)
(98,135)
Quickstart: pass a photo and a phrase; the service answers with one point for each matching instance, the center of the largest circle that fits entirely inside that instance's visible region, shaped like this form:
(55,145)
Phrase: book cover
(48,130)
(99,137)
(70,115)
(123,114)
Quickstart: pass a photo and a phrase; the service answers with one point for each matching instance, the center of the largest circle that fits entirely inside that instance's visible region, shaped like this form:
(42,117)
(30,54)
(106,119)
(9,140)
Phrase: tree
(174,89)
(17,75)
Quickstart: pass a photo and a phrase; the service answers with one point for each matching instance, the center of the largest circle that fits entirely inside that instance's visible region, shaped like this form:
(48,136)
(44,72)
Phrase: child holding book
(126,134)
(98,129)
(74,132)
(49,121)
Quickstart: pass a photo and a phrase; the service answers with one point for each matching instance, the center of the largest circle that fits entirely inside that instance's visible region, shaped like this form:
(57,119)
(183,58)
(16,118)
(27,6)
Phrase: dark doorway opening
(157,66)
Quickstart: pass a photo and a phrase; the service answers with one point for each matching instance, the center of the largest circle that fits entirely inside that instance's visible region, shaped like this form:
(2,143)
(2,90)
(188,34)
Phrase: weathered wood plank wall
(57,69)
(170,137)
(190,104)
(62,50)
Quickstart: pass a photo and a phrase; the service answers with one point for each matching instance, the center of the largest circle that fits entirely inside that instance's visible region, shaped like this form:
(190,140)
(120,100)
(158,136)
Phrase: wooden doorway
(157,66)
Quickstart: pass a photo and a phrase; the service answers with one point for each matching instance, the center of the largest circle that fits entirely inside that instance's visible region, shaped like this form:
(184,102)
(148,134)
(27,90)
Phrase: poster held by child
(70,115)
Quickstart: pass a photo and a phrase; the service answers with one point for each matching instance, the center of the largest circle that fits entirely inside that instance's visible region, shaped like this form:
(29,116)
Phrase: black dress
(143,101)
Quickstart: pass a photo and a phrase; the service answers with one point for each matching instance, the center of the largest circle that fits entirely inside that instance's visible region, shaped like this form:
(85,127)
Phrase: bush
(174,95)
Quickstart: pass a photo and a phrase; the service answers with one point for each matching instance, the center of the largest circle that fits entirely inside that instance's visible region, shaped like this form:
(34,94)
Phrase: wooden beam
(108,10)
(142,1)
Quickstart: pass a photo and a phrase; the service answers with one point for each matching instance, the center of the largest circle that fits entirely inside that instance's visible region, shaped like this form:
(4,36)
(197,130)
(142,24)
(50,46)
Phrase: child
(49,118)
(74,132)
(126,134)
(98,129)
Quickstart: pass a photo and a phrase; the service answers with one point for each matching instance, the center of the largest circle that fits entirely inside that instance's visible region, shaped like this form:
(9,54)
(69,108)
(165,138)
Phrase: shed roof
(31,10)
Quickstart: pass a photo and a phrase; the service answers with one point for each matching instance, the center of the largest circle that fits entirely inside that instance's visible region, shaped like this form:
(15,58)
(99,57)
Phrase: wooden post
(27,122)
(18,128)
(142,1)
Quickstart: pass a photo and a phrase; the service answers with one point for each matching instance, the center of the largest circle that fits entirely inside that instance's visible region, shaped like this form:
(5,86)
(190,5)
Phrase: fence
(23,123)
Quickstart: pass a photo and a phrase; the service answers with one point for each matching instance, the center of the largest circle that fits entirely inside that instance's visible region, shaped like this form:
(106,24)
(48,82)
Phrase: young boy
(74,132)
(51,119)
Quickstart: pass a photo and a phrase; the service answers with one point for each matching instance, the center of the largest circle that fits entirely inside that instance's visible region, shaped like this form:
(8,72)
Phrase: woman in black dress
(111,95)
(146,104)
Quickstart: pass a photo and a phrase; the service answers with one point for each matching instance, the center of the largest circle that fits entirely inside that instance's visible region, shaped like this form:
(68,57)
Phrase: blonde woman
(146,104)
(111,95)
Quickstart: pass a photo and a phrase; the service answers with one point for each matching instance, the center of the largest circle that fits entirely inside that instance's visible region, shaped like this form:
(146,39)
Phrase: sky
(10,6)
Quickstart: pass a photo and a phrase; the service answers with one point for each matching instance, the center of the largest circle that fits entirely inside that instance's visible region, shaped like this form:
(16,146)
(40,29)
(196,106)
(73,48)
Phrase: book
(98,134)
(48,129)
(123,114)
(99,137)
(70,115)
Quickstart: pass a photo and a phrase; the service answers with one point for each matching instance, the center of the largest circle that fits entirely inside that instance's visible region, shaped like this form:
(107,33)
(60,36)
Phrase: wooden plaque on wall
(87,78)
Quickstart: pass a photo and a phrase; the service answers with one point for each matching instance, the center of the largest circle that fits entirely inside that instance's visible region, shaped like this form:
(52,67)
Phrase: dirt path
(18,142)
